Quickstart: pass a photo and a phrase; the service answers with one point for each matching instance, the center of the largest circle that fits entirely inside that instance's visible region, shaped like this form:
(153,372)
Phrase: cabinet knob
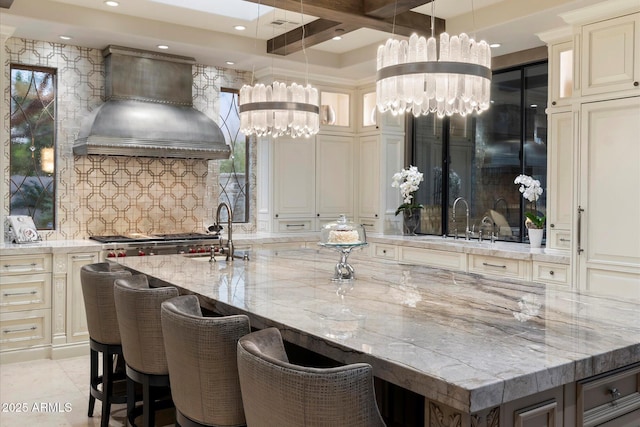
(376,215)
(276,215)
(552,225)
(636,84)
(615,393)
(317,214)
(551,273)
(384,251)
(553,102)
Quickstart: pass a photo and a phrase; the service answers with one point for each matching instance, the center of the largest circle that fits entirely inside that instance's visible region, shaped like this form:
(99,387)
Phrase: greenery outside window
(233,178)
(32,139)
(481,156)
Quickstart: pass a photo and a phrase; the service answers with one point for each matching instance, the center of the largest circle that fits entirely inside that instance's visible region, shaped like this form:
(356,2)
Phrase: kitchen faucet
(229,247)
(453,216)
(487,221)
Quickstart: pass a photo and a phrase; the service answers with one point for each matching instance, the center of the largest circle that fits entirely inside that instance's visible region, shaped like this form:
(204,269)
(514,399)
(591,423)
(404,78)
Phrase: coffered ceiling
(204,29)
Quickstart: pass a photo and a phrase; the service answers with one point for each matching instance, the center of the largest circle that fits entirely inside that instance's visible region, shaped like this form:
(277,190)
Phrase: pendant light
(279,109)
(412,78)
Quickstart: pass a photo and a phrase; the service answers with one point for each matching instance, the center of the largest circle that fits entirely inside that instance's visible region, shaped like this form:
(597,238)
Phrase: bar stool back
(201,353)
(138,309)
(104,335)
(278,393)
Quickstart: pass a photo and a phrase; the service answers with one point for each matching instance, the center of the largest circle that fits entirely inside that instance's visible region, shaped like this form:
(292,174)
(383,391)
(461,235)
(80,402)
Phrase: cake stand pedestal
(343,270)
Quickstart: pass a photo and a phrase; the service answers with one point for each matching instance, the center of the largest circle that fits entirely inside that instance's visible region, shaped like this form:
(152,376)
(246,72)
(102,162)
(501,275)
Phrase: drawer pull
(565,240)
(486,264)
(83,257)
(551,273)
(9,266)
(15,294)
(367,225)
(295,225)
(615,394)
(15,331)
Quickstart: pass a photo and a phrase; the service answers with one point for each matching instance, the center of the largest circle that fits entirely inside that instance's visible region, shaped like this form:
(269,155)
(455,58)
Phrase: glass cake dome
(343,233)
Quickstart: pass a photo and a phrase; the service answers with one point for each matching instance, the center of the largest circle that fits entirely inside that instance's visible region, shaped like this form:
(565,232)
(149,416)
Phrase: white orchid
(531,190)
(407,180)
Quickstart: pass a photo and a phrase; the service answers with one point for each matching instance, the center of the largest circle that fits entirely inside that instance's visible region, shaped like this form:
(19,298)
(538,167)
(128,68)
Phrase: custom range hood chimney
(149,110)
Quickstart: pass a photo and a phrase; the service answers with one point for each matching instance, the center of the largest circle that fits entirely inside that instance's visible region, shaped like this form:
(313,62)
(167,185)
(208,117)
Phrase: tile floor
(53,392)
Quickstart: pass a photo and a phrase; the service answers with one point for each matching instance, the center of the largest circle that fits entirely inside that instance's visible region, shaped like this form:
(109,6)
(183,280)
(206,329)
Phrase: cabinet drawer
(25,328)
(295,225)
(608,396)
(433,258)
(559,239)
(25,264)
(551,273)
(384,251)
(497,266)
(25,292)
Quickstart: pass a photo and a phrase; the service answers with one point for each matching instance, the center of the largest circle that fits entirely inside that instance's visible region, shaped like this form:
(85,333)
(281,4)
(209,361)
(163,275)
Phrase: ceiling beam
(349,15)
(389,8)
(6,4)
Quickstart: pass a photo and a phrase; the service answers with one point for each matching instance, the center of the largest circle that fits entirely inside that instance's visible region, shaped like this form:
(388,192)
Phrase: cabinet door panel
(334,176)
(610,196)
(369,177)
(294,170)
(610,55)
(560,198)
(77,330)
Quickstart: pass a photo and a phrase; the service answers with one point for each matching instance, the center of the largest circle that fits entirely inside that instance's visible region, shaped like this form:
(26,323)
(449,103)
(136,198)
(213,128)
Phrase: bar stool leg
(107,387)
(92,379)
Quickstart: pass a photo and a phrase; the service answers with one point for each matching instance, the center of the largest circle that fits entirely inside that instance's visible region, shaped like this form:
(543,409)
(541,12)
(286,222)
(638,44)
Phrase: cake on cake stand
(343,236)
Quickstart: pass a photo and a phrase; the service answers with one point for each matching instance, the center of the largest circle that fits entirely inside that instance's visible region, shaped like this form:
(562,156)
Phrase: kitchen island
(475,348)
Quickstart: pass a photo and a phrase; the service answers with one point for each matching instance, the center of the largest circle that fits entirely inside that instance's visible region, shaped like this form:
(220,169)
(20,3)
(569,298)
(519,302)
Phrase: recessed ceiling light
(534,105)
(112,3)
(494,45)
(337,38)
(163,46)
(65,37)
(230,63)
(240,27)
(338,34)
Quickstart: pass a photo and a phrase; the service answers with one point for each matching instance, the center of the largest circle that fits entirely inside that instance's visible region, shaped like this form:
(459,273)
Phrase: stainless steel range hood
(149,110)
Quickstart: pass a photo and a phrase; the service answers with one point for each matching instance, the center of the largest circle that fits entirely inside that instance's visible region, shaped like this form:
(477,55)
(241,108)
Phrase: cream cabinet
(312,181)
(610,59)
(608,235)
(294,176)
(551,273)
(379,157)
(25,307)
(560,170)
(76,317)
(499,266)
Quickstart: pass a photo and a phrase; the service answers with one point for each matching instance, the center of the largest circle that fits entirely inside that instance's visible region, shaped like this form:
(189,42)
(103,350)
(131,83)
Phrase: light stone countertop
(459,339)
(504,249)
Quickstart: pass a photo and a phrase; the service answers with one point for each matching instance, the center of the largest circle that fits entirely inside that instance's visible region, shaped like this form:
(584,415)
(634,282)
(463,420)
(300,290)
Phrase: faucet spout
(467,232)
(229,247)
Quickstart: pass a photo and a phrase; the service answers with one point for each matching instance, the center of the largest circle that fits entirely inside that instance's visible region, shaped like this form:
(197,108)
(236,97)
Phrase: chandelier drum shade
(411,78)
(278,109)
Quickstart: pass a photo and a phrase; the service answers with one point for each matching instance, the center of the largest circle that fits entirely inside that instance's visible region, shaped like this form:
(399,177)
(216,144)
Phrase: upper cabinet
(336,111)
(370,119)
(611,55)
(561,73)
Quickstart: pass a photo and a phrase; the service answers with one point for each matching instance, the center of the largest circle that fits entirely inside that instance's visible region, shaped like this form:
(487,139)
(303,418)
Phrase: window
(473,160)
(233,177)
(32,163)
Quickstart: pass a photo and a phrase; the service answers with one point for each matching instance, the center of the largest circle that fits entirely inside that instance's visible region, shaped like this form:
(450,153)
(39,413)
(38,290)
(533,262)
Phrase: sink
(242,254)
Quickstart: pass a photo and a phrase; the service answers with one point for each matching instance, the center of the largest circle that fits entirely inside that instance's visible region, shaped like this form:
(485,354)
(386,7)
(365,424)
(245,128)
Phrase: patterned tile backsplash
(101,195)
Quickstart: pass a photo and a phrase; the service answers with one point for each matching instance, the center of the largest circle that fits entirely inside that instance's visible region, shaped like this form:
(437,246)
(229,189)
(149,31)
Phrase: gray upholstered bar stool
(278,393)
(201,353)
(138,309)
(104,335)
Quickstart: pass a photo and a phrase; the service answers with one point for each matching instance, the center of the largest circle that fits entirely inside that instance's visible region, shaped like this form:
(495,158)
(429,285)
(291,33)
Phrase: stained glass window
(233,179)
(32,187)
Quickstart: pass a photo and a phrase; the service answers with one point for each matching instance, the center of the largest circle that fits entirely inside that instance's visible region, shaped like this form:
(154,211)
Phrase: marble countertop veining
(463,340)
(504,249)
